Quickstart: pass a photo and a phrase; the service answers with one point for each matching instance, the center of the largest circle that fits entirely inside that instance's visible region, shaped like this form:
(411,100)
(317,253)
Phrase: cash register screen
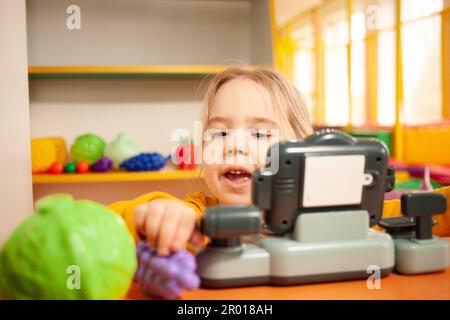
(334,180)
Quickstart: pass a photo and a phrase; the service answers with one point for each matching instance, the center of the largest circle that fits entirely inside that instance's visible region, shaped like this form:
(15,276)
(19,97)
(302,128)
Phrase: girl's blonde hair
(286,99)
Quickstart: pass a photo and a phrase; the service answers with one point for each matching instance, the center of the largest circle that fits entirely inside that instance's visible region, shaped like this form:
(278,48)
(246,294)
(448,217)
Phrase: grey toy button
(417,210)
(416,250)
(421,207)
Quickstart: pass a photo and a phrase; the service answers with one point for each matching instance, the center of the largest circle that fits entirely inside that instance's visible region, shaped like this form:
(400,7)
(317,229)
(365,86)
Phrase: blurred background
(364,63)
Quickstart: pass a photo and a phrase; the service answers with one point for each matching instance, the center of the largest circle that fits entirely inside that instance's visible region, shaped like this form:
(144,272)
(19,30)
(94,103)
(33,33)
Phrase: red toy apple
(56,168)
(82,166)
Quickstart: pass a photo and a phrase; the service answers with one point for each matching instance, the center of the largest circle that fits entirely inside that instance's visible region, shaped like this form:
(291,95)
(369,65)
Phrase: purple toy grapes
(165,277)
(102,165)
(144,162)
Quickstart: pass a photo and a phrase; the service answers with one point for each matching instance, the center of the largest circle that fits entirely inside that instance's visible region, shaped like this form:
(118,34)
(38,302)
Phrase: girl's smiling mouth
(237,177)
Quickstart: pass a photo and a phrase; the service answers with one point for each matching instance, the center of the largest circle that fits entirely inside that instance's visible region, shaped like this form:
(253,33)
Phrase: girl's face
(241,127)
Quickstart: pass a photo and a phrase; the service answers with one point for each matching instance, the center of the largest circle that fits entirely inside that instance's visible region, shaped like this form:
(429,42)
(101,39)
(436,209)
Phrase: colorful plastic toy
(70,167)
(68,250)
(121,149)
(144,162)
(82,166)
(88,147)
(165,277)
(435,137)
(440,174)
(409,184)
(56,168)
(186,155)
(102,165)
(45,151)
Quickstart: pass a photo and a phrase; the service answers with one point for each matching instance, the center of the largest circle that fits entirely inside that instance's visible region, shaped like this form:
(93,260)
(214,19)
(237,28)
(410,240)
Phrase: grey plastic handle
(231,221)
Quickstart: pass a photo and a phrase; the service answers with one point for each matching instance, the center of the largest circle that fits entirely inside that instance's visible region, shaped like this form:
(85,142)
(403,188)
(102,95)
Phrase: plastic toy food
(70,167)
(88,147)
(144,162)
(68,250)
(56,168)
(82,166)
(166,277)
(45,151)
(186,155)
(102,165)
(121,149)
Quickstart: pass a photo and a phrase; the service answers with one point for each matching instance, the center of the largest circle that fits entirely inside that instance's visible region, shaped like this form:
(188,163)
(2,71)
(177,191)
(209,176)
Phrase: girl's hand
(167,225)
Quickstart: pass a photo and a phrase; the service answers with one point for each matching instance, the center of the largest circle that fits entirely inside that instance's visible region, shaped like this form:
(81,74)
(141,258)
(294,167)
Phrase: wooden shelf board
(162,175)
(179,72)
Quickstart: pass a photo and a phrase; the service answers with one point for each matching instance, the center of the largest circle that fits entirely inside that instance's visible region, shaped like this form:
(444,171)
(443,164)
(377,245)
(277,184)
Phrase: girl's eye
(261,135)
(219,134)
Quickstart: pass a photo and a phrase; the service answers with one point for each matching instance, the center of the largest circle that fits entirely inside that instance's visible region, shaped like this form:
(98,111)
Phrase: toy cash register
(313,208)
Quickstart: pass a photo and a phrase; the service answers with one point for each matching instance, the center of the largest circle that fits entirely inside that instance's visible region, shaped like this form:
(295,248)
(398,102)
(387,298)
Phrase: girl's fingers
(139,217)
(168,228)
(197,239)
(184,230)
(153,219)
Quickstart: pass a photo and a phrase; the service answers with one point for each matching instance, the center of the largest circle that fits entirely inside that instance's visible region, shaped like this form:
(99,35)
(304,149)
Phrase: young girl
(254,102)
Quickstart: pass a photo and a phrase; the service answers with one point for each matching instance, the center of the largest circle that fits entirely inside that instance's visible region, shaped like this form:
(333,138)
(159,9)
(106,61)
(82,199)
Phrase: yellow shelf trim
(116,177)
(126,69)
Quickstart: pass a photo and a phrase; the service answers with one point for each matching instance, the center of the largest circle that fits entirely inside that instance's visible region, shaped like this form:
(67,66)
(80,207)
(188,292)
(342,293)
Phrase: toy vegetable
(88,147)
(68,250)
(102,165)
(121,149)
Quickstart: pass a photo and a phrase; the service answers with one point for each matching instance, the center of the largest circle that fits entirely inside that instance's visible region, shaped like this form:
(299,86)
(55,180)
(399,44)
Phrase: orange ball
(56,168)
(82,166)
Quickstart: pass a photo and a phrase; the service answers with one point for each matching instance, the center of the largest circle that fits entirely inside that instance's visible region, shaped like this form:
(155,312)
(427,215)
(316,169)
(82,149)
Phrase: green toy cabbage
(88,147)
(121,149)
(68,250)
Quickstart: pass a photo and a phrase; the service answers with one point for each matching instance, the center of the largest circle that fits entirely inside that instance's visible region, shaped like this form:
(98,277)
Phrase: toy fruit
(56,168)
(144,162)
(88,147)
(68,250)
(45,151)
(166,277)
(186,155)
(102,165)
(82,166)
(70,167)
(121,149)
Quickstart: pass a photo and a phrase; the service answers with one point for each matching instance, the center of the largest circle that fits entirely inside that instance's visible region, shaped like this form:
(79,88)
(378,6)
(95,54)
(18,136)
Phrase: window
(421,36)
(304,63)
(321,73)
(358,69)
(304,76)
(335,34)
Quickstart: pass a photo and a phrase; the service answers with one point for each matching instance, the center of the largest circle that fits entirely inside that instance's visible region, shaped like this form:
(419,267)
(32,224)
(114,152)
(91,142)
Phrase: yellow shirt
(199,202)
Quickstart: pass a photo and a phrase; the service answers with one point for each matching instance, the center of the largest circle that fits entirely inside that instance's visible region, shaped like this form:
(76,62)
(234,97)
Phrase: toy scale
(304,229)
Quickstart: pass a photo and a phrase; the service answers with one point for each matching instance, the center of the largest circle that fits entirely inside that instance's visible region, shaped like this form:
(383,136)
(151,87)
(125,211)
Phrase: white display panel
(334,180)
